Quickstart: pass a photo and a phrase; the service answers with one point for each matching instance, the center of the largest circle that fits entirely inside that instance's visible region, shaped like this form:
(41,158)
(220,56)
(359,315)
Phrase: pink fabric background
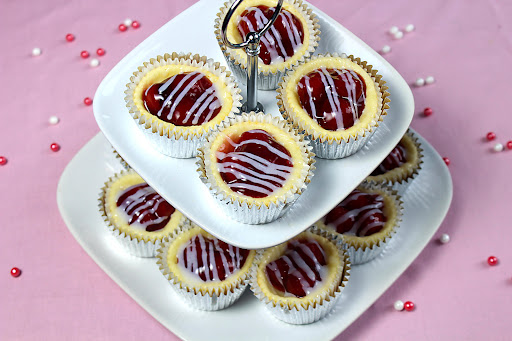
(62,294)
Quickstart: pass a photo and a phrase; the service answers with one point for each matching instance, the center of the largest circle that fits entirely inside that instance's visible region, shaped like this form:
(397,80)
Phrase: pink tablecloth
(62,294)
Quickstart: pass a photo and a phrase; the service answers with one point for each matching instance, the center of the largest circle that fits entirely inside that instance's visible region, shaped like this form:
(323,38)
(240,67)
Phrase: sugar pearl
(122,27)
(70,37)
(409,306)
(509,144)
(498,147)
(3,160)
(36,51)
(15,272)
(419,82)
(53,120)
(399,305)
(135,24)
(492,260)
(490,136)
(409,28)
(393,30)
(430,80)
(445,238)
(54,147)
(127,22)
(94,62)
(399,35)
(385,49)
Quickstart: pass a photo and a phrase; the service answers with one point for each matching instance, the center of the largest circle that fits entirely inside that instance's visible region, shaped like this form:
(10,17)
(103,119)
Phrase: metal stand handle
(252,48)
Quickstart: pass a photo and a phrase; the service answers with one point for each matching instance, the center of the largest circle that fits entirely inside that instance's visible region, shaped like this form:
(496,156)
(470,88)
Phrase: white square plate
(192,31)
(426,202)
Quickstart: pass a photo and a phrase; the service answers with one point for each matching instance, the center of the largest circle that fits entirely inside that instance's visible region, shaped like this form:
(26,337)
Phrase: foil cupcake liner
(209,299)
(367,248)
(120,159)
(314,308)
(325,144)
(139,246)
(268,78)
(168,139)
(399,180)
(249,210)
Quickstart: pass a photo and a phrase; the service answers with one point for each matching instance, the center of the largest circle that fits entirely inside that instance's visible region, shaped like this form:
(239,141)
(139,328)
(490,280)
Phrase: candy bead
(430,80)
(87,101)
(3,160)
(419,82)
(399,305)
(409,306)
(53,120)
(428,111)
(446,160)
(54,147)
(84,54)
(36,51)
(385,49)
(445,238)
(70,37)
(399,35)
(122,27)
(94,62)
(393,30)
(127,22)
(492,260)
(15,272)
(409,28)
(135,24)
(498,147)
(490,136)
(100,52)
(509,144)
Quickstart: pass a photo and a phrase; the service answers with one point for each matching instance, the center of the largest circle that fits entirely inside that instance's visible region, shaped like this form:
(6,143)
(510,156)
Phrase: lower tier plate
(426,203)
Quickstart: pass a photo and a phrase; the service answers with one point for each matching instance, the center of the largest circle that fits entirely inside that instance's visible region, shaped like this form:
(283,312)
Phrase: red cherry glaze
(358,214)
(299,269)
(409,306)
(122,27)
(273,48)
(211,259)
(492,260)
(333,98)
(55,147)
(100,52)
(87,101)
(135,24)
(254,164)
(84,54)
(490,136)
(3,160)
(144,206)
(446,161)
(428,111)
(396,158)
(185,99)
(509,144)
(15,272)
(70,37)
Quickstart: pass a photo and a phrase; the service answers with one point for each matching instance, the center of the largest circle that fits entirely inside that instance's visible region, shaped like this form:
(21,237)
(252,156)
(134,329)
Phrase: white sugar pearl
(394,30)
(399,305)
(430,80)
(36,51)
(498,147)
(445,238)
(386,49)
(409,28)
(419,82)
(399,35)
(53,120)
(128,22)
(94,62)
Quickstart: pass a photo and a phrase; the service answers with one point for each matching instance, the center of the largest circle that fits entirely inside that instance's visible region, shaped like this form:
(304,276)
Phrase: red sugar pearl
(84,54)
(70,37)
(409,306)
(122,27)
(55,147)
(492,260)
(87,101)
(490,136)
(15,272)
(135,24)
(100,52)
(446,160)
(509,144)
(3,160)
(428,111)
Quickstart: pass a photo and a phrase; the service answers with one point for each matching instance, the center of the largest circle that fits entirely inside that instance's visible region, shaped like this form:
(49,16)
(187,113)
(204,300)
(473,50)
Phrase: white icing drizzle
(333,96)
(272,40)
(206,253)
(205,105)
(298,266)
(133,209)
(361,214)
(263,176)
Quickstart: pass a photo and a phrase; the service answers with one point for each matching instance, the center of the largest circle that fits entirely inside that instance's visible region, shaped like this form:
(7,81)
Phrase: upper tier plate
(176,179)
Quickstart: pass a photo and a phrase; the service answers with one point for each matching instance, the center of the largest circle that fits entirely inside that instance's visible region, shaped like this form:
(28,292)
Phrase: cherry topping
(334,98)
(254,164)
(359,214)
(298,270)
(145,207)
(212,259)
(185,99)
(281,41)
(395,159)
